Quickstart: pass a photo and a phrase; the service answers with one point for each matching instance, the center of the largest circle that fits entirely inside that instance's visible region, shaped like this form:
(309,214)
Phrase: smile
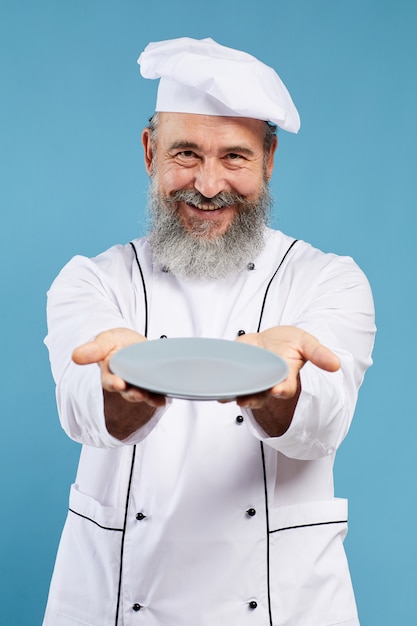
(207,207)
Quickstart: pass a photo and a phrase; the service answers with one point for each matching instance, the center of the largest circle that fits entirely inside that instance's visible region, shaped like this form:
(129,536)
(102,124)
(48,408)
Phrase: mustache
(222,199)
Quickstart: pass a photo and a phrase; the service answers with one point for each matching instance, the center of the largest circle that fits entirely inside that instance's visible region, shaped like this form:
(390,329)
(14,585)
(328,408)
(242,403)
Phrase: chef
(203,513)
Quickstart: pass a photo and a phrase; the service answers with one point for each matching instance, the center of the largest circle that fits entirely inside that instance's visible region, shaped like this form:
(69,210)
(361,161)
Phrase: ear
(270,158)
(148,151)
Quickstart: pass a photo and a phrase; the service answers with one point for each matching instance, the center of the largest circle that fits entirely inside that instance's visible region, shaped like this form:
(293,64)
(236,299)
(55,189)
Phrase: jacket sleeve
(82,302)
(336,306)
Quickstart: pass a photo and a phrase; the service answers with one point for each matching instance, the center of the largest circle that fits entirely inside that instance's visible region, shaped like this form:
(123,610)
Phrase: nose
(209,178)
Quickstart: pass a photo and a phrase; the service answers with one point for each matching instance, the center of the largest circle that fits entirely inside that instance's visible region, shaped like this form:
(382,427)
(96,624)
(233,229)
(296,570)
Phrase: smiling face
(205,166)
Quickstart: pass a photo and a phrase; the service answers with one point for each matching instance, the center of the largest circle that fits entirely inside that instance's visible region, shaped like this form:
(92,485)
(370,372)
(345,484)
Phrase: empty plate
(199,369)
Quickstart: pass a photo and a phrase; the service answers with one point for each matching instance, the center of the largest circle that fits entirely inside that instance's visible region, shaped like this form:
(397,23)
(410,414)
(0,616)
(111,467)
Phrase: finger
(91,352)
(111,382)
(131,394)
(250,338)
(318,354)
(286,389)
(156,400)
(104,345)
(253,401)
(134,394)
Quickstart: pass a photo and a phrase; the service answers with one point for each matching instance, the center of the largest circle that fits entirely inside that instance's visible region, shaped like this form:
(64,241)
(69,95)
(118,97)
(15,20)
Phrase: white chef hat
(201,76)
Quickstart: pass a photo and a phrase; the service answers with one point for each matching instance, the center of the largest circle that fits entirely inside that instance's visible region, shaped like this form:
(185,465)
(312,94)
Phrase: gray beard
(196,254)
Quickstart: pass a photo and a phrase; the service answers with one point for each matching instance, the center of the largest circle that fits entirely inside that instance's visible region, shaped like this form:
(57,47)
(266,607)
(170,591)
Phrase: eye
(186,154)
(234,156)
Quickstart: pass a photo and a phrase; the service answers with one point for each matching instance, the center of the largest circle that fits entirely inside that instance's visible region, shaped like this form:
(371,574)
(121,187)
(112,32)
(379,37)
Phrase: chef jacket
(200,518)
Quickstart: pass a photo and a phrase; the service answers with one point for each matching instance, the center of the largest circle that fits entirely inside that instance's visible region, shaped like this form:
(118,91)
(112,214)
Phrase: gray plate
(198,369)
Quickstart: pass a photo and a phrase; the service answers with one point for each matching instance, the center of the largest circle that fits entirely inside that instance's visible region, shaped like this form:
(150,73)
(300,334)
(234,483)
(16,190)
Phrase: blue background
(72,182)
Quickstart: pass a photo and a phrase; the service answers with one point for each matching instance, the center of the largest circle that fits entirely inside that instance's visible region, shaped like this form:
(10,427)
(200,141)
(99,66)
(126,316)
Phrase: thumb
(91,352)
(321,356)
(104,345)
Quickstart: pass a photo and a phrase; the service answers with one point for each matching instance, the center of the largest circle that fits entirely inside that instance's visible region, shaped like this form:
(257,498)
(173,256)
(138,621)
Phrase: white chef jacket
(199,518)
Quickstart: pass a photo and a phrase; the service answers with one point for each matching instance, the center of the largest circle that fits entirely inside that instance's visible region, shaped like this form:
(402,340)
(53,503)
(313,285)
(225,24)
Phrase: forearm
(276,415)
(124,418)
(320,421)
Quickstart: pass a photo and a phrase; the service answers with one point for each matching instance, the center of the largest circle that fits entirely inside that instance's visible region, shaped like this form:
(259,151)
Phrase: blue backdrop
(72,182)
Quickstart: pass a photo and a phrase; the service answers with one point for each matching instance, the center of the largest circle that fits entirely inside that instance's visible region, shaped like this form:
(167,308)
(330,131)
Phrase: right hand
(101,349)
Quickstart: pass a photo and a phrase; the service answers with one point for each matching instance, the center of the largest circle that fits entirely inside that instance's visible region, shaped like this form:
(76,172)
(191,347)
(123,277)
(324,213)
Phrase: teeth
(204,207)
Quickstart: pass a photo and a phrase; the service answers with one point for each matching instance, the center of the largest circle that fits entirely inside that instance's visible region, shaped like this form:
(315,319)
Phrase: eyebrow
(183,145)
(189,145)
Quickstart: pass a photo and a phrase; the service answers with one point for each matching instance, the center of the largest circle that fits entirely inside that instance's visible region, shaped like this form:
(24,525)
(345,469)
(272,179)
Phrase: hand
(296,347)
(100,350)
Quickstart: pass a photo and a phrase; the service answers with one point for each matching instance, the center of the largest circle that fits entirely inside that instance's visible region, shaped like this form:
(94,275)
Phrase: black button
(165,269)
(251,512)
(140,516)
(239,419)
(251,266)
(163,337)
(136,607)
(240,333)
(253,604)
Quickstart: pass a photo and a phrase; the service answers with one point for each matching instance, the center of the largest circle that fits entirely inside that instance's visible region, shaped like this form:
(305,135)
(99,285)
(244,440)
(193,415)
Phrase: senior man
(192,513)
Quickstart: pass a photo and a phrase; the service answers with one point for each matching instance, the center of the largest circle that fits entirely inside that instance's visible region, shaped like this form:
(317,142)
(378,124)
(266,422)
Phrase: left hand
(296,347)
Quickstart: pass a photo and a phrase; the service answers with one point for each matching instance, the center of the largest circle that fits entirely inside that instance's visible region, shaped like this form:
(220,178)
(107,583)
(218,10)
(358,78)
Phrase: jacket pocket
(85,581)
(309,576)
